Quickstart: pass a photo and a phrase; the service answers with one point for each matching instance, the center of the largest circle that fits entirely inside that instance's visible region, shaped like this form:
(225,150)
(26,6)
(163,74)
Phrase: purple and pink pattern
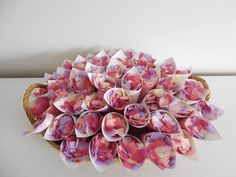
(123,105)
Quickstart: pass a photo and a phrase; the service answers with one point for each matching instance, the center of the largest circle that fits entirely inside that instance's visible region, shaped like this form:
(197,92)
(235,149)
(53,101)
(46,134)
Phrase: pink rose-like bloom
(88,124)
(131,152)
(73,149)
(137,115)
(114,126)
(163,121)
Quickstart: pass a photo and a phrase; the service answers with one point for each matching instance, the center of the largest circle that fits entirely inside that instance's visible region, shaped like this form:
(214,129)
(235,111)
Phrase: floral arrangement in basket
(121,105)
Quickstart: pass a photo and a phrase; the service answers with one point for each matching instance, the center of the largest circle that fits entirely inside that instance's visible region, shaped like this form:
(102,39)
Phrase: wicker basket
(56,144)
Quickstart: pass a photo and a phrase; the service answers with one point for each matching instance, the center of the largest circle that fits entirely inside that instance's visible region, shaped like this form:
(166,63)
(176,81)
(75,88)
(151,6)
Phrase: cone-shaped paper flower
(131,152)
(73,150)
(138,115)
(102,152)
(88,124)
(159,149)
(114,126)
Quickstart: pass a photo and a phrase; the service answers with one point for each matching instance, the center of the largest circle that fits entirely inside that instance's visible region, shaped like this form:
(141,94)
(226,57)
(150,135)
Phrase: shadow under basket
(56,144)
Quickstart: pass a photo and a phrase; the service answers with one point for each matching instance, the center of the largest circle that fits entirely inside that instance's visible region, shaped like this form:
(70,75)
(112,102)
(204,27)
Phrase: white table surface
(22,156)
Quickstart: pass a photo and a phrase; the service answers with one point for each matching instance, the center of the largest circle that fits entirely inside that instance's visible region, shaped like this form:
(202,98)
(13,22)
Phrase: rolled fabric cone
(193,91)
(117,98)
(132,83)
(159,149)
(70,104)
(114,126)
(95,102)
(61,127)
(163,121)
(137,115)
(131,152)
(74,151)
(184,144)
(88,124)
(199,128)
(102,81)
(158,99)
(150,77)
(102,152)
(180,109)
(208,111)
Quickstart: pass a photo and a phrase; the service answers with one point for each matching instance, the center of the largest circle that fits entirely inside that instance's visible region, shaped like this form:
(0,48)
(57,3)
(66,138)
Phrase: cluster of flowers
(123,105)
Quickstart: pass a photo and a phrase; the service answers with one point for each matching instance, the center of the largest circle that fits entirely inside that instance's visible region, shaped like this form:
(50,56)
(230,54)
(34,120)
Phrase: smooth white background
(22,156)
(36,35)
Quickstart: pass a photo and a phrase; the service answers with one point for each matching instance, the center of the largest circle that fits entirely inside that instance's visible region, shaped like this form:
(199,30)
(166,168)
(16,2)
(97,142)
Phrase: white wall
(35,36)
